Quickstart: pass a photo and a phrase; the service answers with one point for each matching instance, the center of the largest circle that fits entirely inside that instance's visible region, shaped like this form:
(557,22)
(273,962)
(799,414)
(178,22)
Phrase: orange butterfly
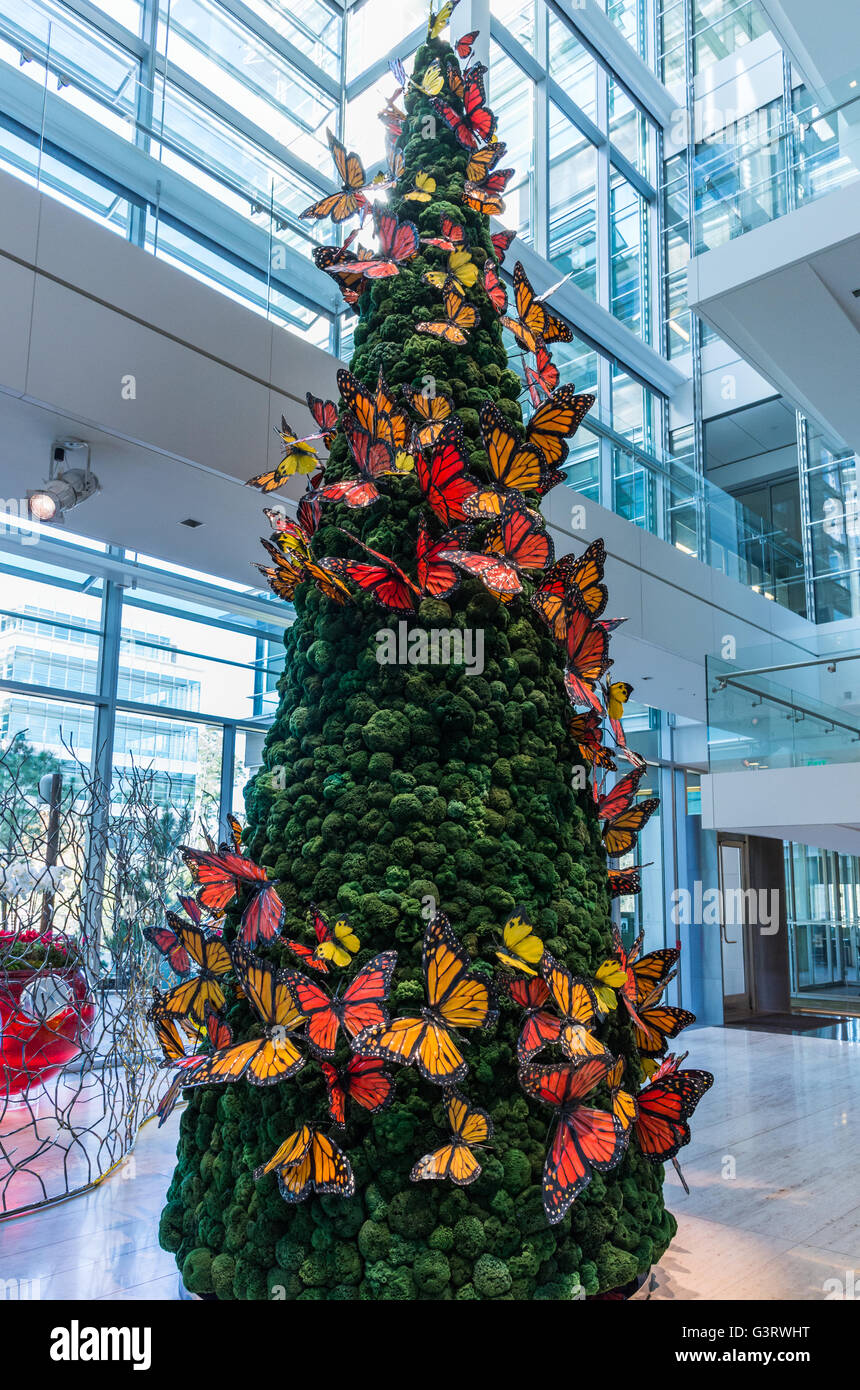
(534,323)
(455,1160)
(308,1161)
(460,318)
(578,1008)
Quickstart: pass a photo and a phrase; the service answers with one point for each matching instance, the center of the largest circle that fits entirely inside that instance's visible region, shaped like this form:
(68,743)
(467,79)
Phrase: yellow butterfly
(403,462)
(337,943)
(299,457)
(425,187)
(438,22)
(455,1160)
(522,949)
(617,696)
(432,82)
(461,269)
(609,977)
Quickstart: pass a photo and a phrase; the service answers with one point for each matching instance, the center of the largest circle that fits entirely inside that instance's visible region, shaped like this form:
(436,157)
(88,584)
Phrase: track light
(65,488)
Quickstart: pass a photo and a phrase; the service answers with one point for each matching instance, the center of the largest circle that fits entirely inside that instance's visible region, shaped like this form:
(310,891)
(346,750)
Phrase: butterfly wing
(314,1002)
(262,919)
(556,421)
(365,997)
(656,1025)
(368,1084)
(459,996)
(168,941)
(443,480)
(438,578)
(619,835)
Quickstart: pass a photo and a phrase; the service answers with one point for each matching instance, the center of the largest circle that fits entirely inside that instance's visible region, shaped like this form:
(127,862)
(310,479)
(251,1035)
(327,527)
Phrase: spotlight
(65,488)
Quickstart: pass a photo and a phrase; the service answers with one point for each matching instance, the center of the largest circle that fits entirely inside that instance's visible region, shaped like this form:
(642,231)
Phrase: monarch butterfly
(350,200)
(437,578)
(556,421)
(273,1057)
(361,1006)
(463,46)
(169,941)
(433,410)
(540,1026)
(325,416)
(349,281)
(287,573)
(218,1034)
(624,881)
(457,80)
(292,535)
(375,459)
(587,647)
(622,825)
(462,273)
(639,981)
(220,876)
(620,798)
(522,949)
(501,241)
(299,457)
(387,582)
(486,196)
(455,1160)
(482,162)
(453,236)
(655,1023)
(543,377)
(167,1026)
(191,995)
(460,317)
(585,1140)
(586,733)
(308,1161)
(578,1008)
(518,539)
(336,942)
(497,576)
(425,187)
(377,414)
(494,287)
(534,323)
(477,124)
(515,466)
(398,242)
(362,1080)
(623,1102)
(444,481)
(457,997)
(664,1108)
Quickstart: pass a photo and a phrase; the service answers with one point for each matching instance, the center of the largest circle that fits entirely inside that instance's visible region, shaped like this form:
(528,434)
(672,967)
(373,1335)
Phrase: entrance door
(734,931)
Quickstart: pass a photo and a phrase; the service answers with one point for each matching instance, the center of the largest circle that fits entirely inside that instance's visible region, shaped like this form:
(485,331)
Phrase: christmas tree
(396,789)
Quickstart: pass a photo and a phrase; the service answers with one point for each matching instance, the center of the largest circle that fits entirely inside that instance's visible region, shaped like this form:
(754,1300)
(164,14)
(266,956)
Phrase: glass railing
(769,164)
(786,704)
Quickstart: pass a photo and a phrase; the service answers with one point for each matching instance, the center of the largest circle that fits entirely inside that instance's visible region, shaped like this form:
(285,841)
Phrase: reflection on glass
(628,129)
(518,16)
(512,96)
(629,256)
(572,67)
(720,29)
(572,202)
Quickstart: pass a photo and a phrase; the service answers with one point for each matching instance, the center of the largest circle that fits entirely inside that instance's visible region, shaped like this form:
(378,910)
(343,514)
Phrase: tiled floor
(773,1213)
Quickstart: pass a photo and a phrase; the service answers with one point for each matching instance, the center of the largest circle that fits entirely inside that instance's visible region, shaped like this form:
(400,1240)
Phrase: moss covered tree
(405,783)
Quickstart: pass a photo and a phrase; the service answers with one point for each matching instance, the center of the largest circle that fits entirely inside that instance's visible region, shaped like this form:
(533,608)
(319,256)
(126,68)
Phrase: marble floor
(773,1211)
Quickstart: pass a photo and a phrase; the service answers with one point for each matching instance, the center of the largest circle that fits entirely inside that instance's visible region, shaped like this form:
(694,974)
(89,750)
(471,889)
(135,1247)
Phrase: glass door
(734,931)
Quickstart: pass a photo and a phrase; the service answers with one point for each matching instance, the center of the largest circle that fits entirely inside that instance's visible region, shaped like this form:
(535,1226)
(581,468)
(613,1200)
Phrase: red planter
(32,1051)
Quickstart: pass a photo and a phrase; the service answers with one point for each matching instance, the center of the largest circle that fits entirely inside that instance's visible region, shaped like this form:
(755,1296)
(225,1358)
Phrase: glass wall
(824,923)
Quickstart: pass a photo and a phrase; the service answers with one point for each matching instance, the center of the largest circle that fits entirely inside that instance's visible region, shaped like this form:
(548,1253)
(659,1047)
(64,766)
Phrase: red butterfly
(443,480)
(540,1027)
(375,459)
(452,239)
(385,580)
(485,196)
(348,278)
(168,940)
(587,645)
(663,1109)
(398,242)
(585,1140)
(362,1004)
(457,80)
(325,415)
(624,881)
(219,878)
(477,124)
(218,1034)
(587,733)
(544,377)
(645,980)
(464,45)
(501,241)
(519,540)
(495,288)
(364,1080)
(317,957)
(620,798)
(437,578)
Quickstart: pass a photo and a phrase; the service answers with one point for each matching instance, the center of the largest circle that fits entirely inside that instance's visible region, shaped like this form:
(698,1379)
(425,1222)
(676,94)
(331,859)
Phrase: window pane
(518,16)
(311,26)
(572,202)
(572,67)
(374,18)
(629,131)
(629,256)
(511,96)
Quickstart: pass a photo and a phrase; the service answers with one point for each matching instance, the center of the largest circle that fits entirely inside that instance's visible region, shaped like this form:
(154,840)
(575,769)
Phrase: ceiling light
(191,523)
(65,488)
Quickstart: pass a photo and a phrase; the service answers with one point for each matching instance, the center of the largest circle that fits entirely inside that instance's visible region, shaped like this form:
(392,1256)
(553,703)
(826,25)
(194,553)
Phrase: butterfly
(556,421)
(444,481)
(543,378)
(377,414)
(534,323)
(518,539)
(218,1034)
(516,467)
(587,647)
(498,578)
(663,1109)
(462,273)
(350,199)
(437,578)
(463,46)
(455,1160)
(615,697)
(432,81)
(398,242)
(582,578)
(193,993)
(638,980)
(348,278)
(486,196)
(477,125)
(457,997)
(169,941)
(578,1008)
(167,1031)
(362,1080)
(501,241)
(624,881)
(292,535)
(300,457)
(425,187)
(361,1006)
(336,942)
(437,22)
(452,239)
(375,459)
(460,317)
(585,1140)
(586,733)
(434,411)
(386,581)
(522,949)
(288,572)
(494,287)
(482,162)
(219,877)
(540,1026)
(325,416)
(308,1161)
(457,80)
(623,1102)
(623,818)
(655,1023)
(271,1058)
